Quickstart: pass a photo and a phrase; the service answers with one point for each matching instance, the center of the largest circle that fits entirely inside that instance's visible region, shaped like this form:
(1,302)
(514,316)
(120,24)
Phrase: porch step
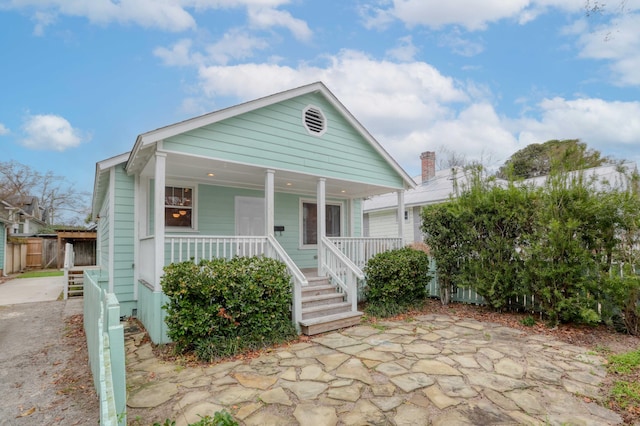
(330,323)
(322,299)
(323,307)
(76,283)
(317,290)
(325,310)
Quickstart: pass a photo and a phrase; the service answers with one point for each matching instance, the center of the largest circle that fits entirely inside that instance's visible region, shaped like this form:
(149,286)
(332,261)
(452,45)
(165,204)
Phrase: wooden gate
(34,253)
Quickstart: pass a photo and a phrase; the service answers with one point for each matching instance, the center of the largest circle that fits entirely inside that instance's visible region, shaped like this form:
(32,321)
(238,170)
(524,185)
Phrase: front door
(250,216)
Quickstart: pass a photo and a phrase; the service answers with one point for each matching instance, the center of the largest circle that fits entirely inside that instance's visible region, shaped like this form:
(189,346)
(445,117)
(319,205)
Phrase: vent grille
(314,120)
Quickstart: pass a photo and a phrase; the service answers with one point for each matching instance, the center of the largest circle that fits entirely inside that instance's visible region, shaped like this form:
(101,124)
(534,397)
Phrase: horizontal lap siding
(274,136)
(104,235)
(124,236)
(357,222)
(383,224)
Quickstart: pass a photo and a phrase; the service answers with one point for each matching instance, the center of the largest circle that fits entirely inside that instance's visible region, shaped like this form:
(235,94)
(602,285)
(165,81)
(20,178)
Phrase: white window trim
(194,207)
(303,246)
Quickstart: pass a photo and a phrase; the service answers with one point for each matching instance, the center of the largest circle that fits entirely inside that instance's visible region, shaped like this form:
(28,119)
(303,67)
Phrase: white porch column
(401,216)
(321,220)
(269,209)
(158,216)
(352,217)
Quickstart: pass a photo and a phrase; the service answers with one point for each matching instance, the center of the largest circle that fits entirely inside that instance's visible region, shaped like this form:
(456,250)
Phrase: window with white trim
(178,207)
(333,216)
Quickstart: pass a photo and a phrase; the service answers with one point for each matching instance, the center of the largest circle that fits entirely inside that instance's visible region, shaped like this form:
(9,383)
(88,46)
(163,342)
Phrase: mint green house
(282,176)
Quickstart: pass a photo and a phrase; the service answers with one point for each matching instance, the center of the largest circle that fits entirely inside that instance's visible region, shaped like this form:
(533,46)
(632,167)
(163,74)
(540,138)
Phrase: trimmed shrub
(222,307)
(397,280)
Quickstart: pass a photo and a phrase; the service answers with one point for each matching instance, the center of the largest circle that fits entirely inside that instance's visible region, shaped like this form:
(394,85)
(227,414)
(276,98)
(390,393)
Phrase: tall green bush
(397,280)
(447,235)
(557,242)
(220,307)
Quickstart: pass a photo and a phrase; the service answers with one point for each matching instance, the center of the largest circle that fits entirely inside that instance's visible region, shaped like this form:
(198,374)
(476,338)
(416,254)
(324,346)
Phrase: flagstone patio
(437,370)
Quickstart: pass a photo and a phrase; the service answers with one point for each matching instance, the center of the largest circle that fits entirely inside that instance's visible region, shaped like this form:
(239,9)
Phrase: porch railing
(361,249)
(181,248)
(342,270)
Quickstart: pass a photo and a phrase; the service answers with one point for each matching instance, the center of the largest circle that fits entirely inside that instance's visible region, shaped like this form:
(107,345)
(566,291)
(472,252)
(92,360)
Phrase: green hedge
(397,280)
(221,307)
(560,242)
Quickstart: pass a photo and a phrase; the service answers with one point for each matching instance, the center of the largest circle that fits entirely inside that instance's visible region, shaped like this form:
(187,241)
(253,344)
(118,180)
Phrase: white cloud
(611,127)
(388,95)
(179,54)
(168,15)
(405,51)
(4,130)
(268,17)
(235,44)
(50,132)
(460,45)
(471,14)
(618,42)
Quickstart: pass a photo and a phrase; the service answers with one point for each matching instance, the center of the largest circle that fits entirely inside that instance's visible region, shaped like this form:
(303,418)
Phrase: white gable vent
(314,120)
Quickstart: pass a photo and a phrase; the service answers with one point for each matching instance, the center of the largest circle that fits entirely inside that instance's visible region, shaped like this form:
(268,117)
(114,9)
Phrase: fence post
(68,264)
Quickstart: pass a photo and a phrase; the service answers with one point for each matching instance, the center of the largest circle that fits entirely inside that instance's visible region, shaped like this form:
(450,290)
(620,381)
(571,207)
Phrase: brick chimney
(428,165)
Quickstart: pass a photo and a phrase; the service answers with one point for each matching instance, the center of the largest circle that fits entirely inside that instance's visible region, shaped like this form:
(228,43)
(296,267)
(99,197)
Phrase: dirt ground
(44,372)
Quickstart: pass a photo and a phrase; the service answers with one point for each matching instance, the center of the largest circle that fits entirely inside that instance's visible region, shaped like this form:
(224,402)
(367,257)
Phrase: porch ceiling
(195,169)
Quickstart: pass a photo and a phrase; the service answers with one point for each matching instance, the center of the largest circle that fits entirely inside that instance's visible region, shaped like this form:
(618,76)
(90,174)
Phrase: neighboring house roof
(21,212)
(435,190)
(29,205)
(441,187)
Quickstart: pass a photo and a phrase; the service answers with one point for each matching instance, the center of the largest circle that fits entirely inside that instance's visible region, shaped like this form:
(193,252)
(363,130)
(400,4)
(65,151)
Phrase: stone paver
(439,370)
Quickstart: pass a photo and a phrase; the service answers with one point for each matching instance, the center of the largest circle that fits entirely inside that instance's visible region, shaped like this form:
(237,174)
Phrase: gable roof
(136,161)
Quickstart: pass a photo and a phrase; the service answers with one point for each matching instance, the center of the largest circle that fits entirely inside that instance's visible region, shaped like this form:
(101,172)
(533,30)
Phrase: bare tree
(448,158)
(65,204)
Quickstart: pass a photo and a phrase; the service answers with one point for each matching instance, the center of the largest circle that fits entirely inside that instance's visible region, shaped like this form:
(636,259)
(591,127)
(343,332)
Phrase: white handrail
(299,280)
(344,272)
(361,249)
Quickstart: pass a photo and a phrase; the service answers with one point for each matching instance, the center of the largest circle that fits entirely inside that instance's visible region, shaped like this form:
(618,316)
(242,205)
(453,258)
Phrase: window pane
(310,222)
(178,206)
(177,217)
(333,221)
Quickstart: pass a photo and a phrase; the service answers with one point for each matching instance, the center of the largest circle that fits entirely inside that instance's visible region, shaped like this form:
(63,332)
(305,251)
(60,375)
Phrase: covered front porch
(312,224)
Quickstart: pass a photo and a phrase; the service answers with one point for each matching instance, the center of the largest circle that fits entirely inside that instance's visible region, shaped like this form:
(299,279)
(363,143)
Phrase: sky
(79,79)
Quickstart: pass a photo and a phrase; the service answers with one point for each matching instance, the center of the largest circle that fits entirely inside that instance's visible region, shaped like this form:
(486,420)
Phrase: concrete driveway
(29,290)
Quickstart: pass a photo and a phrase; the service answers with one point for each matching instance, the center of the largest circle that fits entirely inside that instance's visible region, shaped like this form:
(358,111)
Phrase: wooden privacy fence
(46,253)
(16,259)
